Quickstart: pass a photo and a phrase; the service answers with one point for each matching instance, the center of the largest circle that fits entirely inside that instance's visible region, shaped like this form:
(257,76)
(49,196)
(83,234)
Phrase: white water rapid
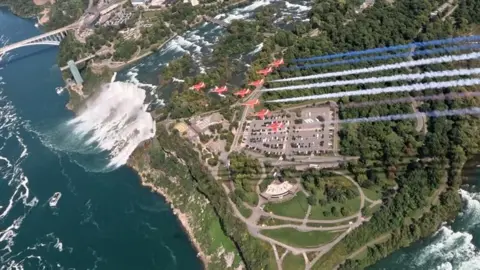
(116,121)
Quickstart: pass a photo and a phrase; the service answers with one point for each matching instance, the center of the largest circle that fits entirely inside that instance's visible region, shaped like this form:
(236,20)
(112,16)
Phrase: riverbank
(169,176)
(182,217)
(117,66)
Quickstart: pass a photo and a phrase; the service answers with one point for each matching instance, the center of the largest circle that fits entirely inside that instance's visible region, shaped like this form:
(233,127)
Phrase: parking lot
(309,131)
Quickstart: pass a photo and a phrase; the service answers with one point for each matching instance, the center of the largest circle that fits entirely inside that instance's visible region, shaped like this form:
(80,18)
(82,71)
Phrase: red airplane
(261,114)
(197,87)
(242,93)
(266,71)
(257,83)
(251,103)
(275,126)
(277,63)
(219,90)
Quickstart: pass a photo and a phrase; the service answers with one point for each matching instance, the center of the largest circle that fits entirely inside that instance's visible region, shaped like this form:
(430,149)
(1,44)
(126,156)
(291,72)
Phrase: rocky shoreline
(182,217)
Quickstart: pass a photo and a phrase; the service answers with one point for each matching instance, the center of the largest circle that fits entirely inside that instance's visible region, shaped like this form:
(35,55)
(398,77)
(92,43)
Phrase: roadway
(254,95)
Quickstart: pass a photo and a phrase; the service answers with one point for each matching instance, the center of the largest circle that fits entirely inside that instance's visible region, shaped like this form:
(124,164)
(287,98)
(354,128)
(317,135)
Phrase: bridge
(52,38)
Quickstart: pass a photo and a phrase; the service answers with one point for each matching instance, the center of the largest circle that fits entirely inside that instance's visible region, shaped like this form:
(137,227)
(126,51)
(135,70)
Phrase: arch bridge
(52,38)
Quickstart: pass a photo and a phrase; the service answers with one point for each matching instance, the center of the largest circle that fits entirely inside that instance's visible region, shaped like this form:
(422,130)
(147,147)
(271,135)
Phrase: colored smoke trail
(413,63)
(410,99)
(468,111)
(392,48)
(386,57)
(401,77)
(384,90)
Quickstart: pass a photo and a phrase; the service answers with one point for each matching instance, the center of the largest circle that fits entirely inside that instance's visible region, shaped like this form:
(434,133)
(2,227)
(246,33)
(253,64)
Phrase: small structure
(137,3)
(181,127)
(278,191)
(200,124)
(184,130)
(75,73)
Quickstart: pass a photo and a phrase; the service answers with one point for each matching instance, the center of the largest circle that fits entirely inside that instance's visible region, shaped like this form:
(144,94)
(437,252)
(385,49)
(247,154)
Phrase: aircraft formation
(401,59)
(242,93)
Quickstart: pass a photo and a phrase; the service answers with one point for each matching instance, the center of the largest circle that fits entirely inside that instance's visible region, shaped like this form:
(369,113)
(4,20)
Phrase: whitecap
(299,8)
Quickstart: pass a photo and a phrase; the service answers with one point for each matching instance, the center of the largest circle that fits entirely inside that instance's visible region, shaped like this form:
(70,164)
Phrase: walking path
(255,229)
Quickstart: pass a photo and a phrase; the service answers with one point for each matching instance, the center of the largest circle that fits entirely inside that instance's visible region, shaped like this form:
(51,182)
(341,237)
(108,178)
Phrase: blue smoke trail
(389,56)
(392,48)
(468,111)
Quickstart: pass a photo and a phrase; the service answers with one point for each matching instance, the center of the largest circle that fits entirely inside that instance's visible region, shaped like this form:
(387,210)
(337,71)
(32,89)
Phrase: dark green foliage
(245,171)
(125,49)
(178,68)
(65,12)
(23,8)
(255,253)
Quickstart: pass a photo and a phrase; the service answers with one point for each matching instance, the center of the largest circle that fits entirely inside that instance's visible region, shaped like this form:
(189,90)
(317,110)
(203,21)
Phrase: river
(103,220)
(454,246)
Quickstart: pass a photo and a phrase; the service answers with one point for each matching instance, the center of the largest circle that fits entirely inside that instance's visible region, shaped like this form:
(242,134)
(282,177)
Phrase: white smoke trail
(413,63)
(468,111)
(401,77)
(393,89)
(453,95)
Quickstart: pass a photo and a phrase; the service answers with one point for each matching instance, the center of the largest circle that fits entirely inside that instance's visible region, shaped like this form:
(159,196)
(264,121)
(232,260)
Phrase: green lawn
(293,262)
(296,238)
(372,193)
(246,212)
(296,207)
(352,204)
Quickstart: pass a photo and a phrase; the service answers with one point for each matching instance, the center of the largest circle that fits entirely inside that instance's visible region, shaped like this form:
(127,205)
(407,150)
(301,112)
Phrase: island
(336,196)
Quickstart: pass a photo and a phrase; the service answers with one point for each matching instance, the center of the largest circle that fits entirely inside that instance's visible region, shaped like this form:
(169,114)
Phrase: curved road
(255,229)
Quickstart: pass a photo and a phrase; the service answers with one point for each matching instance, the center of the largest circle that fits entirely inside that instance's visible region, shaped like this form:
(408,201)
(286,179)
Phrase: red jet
(257,83)
(220,90)
(197,87)
(251,103)
(275,126)
(277,63)
(261,114)
(242,93)
(266,71)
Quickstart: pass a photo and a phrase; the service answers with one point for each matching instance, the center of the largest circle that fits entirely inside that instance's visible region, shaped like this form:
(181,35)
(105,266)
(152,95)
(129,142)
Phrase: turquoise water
(103,220)
(454,246)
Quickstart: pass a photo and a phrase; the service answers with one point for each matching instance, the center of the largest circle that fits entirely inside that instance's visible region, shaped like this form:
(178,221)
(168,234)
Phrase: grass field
(246,212)
(296,238)
(296,207)
(293,262)
(372,193)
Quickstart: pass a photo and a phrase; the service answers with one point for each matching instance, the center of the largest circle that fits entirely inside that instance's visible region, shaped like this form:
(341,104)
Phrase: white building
(137,3)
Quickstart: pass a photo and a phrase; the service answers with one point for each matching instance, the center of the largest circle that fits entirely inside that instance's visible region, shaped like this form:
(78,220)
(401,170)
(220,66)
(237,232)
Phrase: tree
(312,200)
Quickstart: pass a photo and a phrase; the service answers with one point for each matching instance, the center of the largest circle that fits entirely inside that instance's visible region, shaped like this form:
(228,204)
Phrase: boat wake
(107,130)
(16,200)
